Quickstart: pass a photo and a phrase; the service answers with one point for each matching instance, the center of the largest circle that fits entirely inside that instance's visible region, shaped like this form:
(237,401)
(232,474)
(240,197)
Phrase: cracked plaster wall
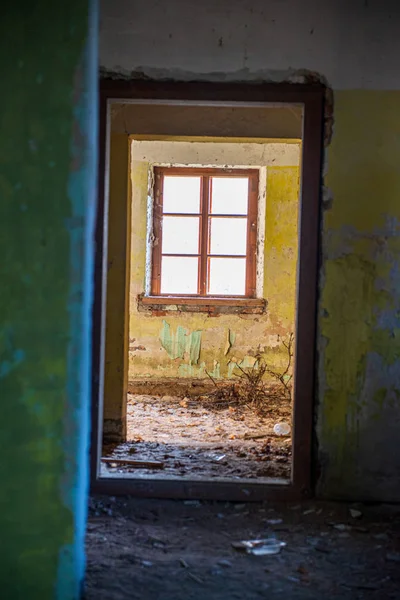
(354,48)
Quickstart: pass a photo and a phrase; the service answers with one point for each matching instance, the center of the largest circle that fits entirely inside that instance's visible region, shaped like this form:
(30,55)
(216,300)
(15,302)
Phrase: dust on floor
(202,440)
(174,550)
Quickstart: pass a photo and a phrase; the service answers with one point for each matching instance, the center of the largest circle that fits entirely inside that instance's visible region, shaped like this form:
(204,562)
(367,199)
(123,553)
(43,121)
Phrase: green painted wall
(47,158)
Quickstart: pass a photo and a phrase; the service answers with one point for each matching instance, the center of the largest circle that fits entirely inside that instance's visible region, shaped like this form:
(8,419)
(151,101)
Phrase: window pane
(179,275)
(181,195)
(229,195)
(180,235)
(227,276)
(228,236)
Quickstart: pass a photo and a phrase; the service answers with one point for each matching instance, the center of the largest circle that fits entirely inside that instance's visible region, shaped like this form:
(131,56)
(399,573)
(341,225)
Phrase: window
(205,233)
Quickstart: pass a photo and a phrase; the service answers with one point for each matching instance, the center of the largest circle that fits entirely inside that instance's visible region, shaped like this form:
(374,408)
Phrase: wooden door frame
(311,97)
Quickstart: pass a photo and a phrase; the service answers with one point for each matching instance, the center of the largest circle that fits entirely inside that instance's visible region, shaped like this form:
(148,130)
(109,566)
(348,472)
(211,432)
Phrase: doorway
(205,411)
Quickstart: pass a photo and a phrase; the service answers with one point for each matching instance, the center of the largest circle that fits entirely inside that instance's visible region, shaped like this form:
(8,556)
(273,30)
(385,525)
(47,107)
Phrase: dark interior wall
(219,121)
(47,186)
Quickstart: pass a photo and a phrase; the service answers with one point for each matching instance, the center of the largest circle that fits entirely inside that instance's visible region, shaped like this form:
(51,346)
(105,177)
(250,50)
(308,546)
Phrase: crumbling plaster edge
(245,75)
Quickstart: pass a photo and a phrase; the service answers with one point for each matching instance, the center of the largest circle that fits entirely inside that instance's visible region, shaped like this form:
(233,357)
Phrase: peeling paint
(216,371)
(188,370)
(230,340)
(181,342)
(248,362)
(218,333)
(194,343)
(173,344)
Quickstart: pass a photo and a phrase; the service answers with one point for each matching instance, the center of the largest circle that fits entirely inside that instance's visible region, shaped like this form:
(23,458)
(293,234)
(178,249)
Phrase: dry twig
(251,388)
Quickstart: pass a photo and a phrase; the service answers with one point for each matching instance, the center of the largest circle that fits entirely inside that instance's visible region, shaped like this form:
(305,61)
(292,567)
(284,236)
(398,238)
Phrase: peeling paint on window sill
(212,306)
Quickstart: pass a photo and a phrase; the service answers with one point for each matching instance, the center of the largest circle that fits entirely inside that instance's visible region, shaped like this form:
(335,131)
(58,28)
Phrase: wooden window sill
(209,304)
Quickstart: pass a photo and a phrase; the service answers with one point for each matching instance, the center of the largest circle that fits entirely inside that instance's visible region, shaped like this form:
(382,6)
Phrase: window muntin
(205,232)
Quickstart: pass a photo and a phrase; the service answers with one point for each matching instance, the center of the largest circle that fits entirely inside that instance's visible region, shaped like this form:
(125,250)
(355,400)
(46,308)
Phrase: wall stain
(359,315)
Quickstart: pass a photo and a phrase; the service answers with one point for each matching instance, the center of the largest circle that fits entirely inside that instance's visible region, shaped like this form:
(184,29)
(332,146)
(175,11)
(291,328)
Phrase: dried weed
(252,388)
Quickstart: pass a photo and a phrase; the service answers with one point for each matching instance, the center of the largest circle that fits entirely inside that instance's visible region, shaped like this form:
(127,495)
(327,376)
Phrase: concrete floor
(196,440)
(174,550)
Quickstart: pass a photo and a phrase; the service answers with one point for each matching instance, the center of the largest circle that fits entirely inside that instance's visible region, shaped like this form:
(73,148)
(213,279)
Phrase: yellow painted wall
(116,342)
(359,326)
(358,339)
(188,344)
(353,48)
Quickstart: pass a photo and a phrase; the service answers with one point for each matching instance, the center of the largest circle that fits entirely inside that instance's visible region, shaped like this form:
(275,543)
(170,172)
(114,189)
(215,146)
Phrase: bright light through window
(205,232)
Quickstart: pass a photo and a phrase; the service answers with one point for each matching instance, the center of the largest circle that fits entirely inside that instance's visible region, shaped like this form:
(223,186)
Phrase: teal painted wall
(47,192)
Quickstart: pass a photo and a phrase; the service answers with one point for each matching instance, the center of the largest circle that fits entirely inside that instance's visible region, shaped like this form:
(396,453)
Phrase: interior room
(210,366)
(116,340)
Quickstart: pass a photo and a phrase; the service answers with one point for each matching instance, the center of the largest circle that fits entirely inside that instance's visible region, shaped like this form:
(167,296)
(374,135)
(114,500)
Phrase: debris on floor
(282,429)
(264,547)
(179,550)
(139,464)
(194,439)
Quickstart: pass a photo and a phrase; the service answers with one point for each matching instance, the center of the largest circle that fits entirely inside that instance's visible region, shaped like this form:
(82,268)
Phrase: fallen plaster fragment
(261,547)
